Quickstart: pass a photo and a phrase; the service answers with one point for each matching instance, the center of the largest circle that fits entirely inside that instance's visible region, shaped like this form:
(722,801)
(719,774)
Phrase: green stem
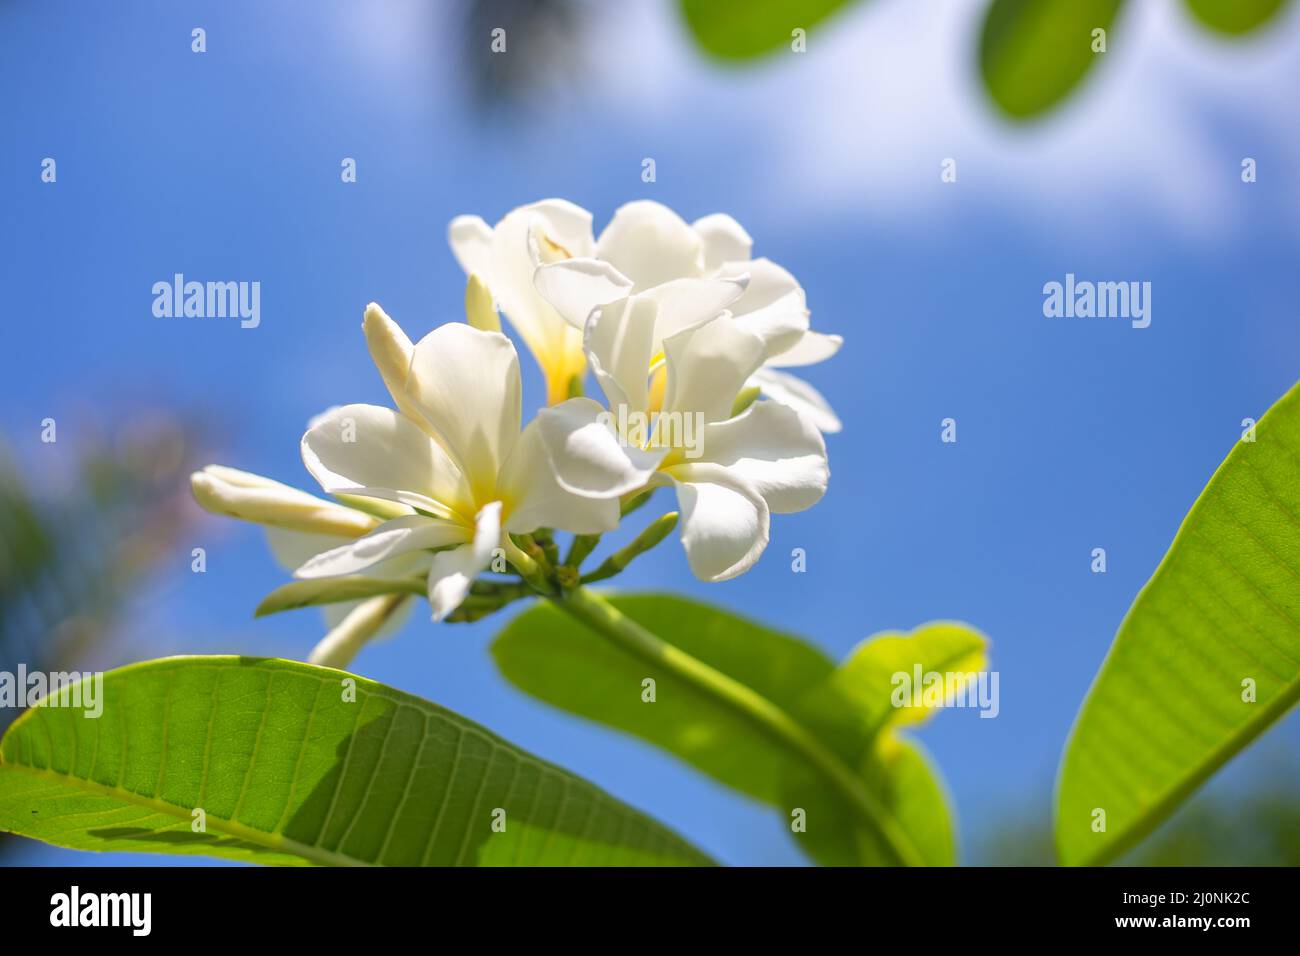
(633,500)
(500,590)
(582,546)
(545,539)
(608,621)
(527,566)
(650,536)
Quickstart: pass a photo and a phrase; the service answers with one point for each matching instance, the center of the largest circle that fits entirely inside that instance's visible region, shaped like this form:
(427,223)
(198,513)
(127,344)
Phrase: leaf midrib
(233,828)
(1156,813)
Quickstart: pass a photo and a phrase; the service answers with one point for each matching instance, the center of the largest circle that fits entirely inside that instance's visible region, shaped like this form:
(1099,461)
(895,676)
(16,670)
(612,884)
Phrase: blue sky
(1072,433)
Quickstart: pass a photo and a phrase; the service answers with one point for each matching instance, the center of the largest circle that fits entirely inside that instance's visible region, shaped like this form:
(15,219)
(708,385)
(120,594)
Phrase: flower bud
(239,494)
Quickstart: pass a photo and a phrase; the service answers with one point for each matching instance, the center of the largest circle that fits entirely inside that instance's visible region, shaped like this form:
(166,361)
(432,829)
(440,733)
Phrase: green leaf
(288,770)
(861,691)
(1235,17)
(1220,616)
(1034,52)
(745,29)
(570,666)
(550,656)
(298,594)
(901,777)
(854,711)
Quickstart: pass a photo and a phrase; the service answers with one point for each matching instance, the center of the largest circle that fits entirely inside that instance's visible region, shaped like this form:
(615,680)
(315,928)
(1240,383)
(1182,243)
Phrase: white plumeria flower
(506,257)
(452,451)
(734,471)
(647,244)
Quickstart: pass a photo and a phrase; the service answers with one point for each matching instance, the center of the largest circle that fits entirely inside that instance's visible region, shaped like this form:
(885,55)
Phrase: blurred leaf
(547,654)
(903,779)
(557,660)
(298,594)
(288,770)
(854,711)
(1257,827)
(1223,608)
(71,553)
(1235,17)
(1034,52)
(744,29)
(865,681)
(1251,819)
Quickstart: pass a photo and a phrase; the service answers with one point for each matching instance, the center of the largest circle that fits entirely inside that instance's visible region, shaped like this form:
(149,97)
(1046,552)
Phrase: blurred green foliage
(1032,54)
(739,30)
(1235,17)
(75,546)
(1253,823)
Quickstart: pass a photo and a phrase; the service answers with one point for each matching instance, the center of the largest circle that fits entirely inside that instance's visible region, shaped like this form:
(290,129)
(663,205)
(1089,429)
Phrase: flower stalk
(653,533)
(580,549)
(531,564)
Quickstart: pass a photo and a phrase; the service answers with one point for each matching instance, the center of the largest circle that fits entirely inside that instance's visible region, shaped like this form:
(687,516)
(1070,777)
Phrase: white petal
(651,244)
(778,452)
(338,611)
(471,243)
(686,303)
(725,240)
(576,286)
(708,366)
(564,228)
(539,501)
(525,238)
(362,622)
(586,454)
(291,548)
(724,521)
(812,348)
(454,571)
(773,305)
(623,339)
(620,343)
(390,540)
(374,451)
(799,395)
(465,384)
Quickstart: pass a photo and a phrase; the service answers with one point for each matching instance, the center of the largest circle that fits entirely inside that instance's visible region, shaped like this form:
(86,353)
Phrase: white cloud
(890,88)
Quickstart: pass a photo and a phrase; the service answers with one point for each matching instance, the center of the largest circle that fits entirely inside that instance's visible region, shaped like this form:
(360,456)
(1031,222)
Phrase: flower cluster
(683,332)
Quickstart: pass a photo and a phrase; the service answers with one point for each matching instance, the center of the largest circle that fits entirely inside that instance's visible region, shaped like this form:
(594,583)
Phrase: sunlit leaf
(294,764)
(867,683)
(1206,659)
